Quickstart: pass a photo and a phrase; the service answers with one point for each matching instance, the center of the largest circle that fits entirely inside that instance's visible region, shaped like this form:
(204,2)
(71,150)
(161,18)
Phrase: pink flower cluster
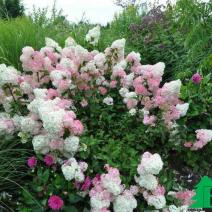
(74,74)
(203,136)
(185,197)
(107,188)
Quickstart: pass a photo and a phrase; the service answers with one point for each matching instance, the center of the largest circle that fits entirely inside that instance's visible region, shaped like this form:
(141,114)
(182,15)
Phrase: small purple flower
(49,160)
(32,162)
(86,184)
(196,78)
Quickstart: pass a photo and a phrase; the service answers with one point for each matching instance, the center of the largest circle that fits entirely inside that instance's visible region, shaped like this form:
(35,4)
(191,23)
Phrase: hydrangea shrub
(42,106)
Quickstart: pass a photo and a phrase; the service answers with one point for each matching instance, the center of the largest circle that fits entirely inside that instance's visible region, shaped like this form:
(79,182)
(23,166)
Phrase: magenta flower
(55,202)
(196,78)
(86,184)
(32,162)
(49,160)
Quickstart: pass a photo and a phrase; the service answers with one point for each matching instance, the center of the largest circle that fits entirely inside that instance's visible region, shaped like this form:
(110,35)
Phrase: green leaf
(74,198)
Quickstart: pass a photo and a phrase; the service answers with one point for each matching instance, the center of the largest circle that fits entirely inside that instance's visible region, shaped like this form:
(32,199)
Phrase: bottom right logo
(203,197)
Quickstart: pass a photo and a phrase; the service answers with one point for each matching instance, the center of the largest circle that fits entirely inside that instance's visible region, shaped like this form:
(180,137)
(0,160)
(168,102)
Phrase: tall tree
(11,9)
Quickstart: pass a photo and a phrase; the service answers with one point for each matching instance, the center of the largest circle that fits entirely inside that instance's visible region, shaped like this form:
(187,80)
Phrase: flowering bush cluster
(41,106)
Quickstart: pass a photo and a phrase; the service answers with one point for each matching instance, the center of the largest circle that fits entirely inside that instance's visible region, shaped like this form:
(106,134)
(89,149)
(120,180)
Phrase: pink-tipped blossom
(185,196)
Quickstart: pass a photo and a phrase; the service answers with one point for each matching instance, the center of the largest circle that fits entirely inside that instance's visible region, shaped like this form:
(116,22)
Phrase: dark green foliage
(11,9)
(180,36)
(44,182)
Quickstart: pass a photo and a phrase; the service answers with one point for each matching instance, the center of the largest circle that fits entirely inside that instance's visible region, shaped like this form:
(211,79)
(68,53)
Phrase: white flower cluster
(182,108)
(147,181)
(73,170)
(41,144)
(53,121)
(125,202)
(172,88)
(108,100)
(51,43)
(116,51)
(133,57)
(157,70)
(93,35)
(98,202)
(70,42)
(26,88)
(100,60)
(157,201)
(6,124)
(119,46)
(123,92)
(29,125)
(151,165)
(54,118)
(204,135)
(71,145)
(132,111)
(108,189)
(8,75)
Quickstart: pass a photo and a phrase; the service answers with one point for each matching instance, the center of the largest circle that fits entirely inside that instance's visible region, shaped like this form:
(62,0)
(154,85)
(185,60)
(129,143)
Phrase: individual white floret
(132,111)
(108,100)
